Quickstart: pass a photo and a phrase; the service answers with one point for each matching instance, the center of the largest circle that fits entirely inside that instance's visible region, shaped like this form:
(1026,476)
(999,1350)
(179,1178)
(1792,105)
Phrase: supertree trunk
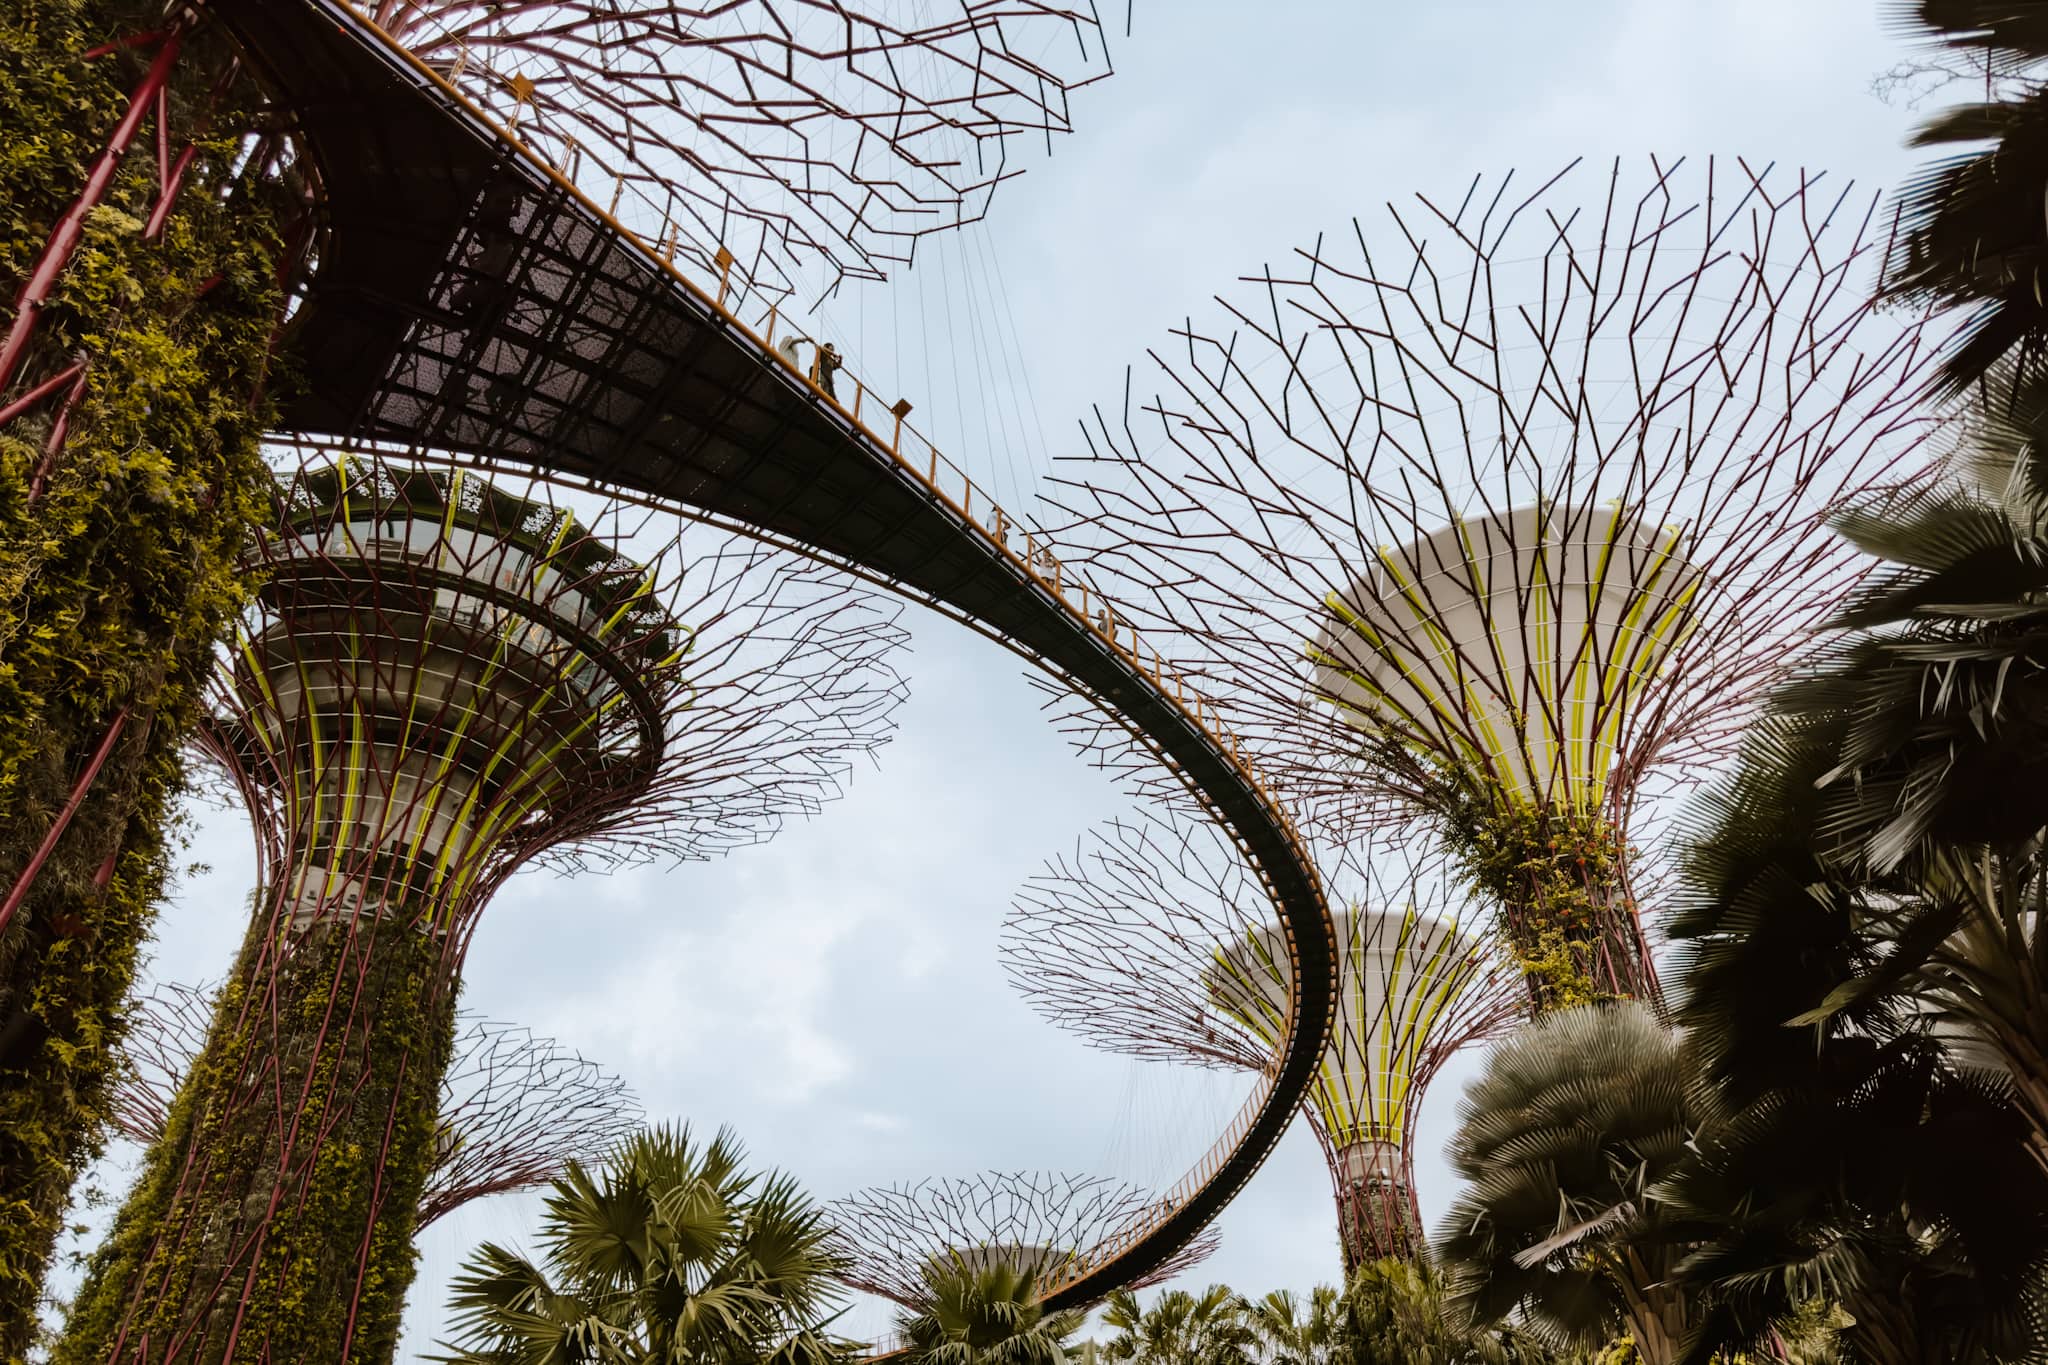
(1377,1215)
(1559,880)
(293,1162)
(141,257)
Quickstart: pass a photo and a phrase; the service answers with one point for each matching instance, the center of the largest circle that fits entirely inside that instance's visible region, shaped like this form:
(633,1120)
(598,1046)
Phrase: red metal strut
(64,241)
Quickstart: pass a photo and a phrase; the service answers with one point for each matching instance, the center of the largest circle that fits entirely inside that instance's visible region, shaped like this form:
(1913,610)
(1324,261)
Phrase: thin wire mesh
(516,1108)
(898,1237)
(806,137)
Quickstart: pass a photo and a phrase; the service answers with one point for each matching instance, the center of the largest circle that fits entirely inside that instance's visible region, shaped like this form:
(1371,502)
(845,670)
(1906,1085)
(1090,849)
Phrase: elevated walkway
(470,300)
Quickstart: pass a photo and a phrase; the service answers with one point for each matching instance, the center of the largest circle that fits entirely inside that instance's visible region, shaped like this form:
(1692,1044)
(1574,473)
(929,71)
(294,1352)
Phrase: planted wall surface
(274,1220)
(1559,881)
(123,497)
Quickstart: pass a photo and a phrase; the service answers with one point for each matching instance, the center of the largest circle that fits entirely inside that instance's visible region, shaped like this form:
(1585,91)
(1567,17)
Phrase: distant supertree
(440,681)
(515,1108)
(899,1238)
(1151,941)
(1505,516)
(805,137)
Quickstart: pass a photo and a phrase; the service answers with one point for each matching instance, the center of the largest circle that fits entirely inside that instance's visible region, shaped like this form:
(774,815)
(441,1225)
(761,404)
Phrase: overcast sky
(834,995)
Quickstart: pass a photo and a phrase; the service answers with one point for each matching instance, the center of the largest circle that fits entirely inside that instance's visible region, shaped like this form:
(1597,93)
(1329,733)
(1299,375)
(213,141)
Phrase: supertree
(769,140)
(899,1238)
(515,1108)
(438,682)
(1505,516)
(1151,940)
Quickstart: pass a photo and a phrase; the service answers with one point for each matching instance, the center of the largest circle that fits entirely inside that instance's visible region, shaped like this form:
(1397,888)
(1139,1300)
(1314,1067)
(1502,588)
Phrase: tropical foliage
(1397,1313)
(1872,877)
(1394,1312)
(1213,1327)
(1974,236)
(989,1315)
(1563,1142)
(1297,1331)
(671,1252)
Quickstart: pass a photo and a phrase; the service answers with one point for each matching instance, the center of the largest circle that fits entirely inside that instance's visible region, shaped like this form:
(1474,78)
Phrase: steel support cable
(1043,615)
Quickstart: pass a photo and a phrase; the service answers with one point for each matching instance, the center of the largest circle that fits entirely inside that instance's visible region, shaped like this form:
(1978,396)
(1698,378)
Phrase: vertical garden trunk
(1559,882)
(1377,1216)
(142,293)
(273,1222)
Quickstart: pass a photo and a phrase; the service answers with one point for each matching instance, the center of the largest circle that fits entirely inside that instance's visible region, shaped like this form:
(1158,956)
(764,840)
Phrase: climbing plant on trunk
(141,250)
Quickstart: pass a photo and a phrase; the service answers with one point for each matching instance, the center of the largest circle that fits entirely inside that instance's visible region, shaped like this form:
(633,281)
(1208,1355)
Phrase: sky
(834,995)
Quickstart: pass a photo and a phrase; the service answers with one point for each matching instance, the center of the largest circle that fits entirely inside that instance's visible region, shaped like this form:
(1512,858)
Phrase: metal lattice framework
(635,378)
(899,1237)
(1505,512)
(515,1108)
(693,688)
(439,681)
(1151,941)
(799,142)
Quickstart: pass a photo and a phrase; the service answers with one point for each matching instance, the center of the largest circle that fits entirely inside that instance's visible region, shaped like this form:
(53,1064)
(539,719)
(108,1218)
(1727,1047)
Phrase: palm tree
(1974,222)
(1906,773)
(1872,875)
(671,1252)
(1563,1140)
(988,1315)
(1213,1327)
(1294,1331)
(1395,1313)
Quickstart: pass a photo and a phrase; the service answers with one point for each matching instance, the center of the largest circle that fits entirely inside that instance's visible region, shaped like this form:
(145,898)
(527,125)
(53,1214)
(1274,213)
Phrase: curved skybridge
(469,299)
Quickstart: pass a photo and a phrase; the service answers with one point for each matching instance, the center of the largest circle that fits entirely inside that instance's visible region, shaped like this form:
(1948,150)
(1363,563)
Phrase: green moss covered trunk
(274,1220)
(1559,882)
(1377,1218)
(117,576)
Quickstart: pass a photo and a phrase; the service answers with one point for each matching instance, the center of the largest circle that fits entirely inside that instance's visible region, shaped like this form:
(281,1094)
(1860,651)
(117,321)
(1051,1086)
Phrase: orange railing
(1032,554)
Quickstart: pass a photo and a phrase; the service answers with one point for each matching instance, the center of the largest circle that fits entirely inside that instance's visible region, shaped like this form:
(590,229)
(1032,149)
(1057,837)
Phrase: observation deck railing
(951,485)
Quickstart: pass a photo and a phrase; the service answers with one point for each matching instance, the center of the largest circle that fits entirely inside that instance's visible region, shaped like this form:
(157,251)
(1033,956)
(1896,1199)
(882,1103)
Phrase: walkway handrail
(951,485)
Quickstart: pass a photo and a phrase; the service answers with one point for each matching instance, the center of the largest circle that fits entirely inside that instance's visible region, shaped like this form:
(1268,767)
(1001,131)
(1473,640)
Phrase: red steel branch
(1689,346)
(64,238)
(814,139)
(515,1108)
(898,1237)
